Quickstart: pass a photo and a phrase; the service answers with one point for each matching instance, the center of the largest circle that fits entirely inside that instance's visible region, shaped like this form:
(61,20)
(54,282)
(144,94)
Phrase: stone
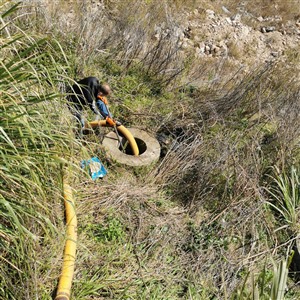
(270,28)
(228,20)
(236,18)
(244,32)
(216,50)
(207,49)
(199,51)
(197,39)
(184,45)
(260,19)
(210,13)
(225,10)
(267,29)
(187,32)
(157,29)
(178,32)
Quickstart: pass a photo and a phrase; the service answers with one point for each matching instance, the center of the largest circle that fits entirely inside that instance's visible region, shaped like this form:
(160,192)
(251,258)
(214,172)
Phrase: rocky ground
(239,38)
(242,40)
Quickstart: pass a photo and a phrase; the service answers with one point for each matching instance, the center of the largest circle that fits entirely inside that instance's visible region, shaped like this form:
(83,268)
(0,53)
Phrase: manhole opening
(140,143)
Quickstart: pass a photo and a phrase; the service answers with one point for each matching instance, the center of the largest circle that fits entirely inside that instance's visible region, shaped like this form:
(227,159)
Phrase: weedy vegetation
(215,218)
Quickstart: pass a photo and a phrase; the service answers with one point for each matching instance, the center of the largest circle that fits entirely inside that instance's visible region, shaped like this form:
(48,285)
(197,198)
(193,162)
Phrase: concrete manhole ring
(149,148)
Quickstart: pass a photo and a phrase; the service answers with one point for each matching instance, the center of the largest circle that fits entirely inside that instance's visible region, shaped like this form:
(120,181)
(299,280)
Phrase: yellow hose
(121,129)
(129,137)
(65,280)
(95,124)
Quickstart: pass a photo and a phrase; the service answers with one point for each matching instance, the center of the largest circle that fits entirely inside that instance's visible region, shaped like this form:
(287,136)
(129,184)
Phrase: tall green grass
(268,284)
(286,196)
(34,146)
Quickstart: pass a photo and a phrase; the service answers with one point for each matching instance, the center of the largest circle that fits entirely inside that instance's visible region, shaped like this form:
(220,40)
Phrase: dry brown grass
(114,33)
(198,217)
(152,229)
(219,165)
(288,10)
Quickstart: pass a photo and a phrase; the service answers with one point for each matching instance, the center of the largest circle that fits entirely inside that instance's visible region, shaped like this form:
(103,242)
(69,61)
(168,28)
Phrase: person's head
(104,89)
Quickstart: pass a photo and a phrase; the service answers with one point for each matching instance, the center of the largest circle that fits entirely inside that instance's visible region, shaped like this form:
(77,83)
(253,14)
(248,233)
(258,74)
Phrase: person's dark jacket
(84,92)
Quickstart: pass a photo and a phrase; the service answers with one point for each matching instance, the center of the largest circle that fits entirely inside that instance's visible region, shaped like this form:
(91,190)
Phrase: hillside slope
(217,86)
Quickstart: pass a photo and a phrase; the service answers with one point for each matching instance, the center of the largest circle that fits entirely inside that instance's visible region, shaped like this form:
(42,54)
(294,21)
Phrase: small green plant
(205,237)
(286,195)
(111,230)
(268,284)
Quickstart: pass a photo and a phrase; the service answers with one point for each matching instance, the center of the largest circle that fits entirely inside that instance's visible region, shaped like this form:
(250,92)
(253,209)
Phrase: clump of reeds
(34,143)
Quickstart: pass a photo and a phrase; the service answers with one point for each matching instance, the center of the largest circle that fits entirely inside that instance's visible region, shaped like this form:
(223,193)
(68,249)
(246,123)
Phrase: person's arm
(101,105)
(102,108)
